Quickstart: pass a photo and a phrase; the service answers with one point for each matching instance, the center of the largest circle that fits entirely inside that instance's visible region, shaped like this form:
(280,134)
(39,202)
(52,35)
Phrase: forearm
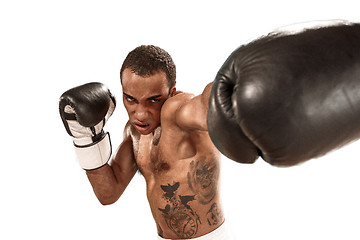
(109,182)
(202,107)
(205,96)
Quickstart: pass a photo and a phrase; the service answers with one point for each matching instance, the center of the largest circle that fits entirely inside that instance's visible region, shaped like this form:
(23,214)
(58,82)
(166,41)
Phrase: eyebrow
(154,97)
(127,95)
(149,98)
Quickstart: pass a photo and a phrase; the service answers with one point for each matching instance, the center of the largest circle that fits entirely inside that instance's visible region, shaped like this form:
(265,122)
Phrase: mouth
(141,127)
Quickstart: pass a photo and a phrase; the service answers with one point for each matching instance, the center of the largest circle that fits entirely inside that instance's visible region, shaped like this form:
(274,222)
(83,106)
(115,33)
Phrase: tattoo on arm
(179,216)
(203,179)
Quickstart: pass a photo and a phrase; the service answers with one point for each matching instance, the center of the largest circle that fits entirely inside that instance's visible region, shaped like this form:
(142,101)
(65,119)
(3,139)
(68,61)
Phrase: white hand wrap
(92,146)
(93,155)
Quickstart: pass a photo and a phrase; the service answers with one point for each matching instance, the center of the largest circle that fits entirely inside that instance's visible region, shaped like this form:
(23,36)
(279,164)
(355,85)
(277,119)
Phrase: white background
(48,47)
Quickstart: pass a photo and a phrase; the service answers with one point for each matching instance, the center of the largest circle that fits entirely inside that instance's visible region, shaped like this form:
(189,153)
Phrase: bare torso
(182,173)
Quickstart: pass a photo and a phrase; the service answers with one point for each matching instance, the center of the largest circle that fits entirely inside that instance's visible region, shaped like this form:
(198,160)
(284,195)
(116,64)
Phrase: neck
(156,135)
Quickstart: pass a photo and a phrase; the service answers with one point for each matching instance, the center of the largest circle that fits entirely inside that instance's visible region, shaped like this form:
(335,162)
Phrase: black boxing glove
(84,111)
(288,97)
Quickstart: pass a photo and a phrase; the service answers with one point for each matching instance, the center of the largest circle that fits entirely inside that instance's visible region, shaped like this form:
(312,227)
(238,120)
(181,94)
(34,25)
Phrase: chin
(145,132)
(150,130)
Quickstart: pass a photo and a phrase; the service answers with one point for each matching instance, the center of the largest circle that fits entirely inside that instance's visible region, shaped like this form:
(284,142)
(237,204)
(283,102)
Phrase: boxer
(166,139)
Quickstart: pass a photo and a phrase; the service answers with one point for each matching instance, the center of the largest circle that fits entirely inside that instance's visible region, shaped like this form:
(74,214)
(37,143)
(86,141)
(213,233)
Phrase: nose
(141,112)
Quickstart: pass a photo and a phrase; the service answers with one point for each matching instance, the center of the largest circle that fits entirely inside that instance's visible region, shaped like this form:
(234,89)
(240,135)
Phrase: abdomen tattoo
(203,179)
(179,216)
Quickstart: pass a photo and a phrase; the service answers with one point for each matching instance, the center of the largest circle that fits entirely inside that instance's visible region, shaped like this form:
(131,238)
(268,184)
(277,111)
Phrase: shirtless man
(166,139)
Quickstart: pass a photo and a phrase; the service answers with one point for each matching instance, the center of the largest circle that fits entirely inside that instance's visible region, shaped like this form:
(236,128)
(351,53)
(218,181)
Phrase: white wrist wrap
(94,155)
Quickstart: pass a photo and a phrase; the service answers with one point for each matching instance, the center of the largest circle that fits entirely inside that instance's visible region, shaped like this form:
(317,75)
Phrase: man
(166,139)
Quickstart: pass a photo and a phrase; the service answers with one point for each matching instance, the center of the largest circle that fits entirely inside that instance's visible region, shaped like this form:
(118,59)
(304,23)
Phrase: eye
(155,100)
(129,98)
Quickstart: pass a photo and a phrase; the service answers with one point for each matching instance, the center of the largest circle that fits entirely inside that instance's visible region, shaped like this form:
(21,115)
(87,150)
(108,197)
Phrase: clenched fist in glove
(288,97)
(84,111)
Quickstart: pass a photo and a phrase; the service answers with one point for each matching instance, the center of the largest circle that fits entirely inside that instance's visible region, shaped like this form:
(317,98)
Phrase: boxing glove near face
(84,111)
(288,97)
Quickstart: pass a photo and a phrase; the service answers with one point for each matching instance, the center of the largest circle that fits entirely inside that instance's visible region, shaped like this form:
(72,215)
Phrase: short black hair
(146,60)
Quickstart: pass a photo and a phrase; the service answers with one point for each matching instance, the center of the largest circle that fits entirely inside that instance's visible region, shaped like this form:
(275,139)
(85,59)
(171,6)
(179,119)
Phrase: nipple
(164,166)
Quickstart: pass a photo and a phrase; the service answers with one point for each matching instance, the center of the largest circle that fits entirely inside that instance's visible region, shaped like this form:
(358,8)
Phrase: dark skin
(180,164)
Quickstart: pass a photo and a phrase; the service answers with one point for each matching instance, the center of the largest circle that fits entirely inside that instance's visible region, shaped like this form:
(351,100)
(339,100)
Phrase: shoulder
(183,110)
(128,146)
(173,104)
(131,136)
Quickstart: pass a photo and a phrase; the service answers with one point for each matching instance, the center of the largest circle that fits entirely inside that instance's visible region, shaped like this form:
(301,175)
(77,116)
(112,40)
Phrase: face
(143,98)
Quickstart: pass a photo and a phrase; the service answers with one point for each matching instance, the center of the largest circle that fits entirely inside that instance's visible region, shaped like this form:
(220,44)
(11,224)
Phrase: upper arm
(123,161)
(192,114)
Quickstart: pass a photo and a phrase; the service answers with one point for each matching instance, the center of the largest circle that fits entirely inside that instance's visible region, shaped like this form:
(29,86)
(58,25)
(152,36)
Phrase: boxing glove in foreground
(84,111)
(288,97)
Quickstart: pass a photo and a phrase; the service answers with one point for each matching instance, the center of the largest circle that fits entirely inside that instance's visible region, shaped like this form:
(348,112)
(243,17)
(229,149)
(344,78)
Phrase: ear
(173,90)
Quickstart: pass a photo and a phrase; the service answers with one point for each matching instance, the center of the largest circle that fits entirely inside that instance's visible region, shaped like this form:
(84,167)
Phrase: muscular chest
(150,156)
(165,152)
